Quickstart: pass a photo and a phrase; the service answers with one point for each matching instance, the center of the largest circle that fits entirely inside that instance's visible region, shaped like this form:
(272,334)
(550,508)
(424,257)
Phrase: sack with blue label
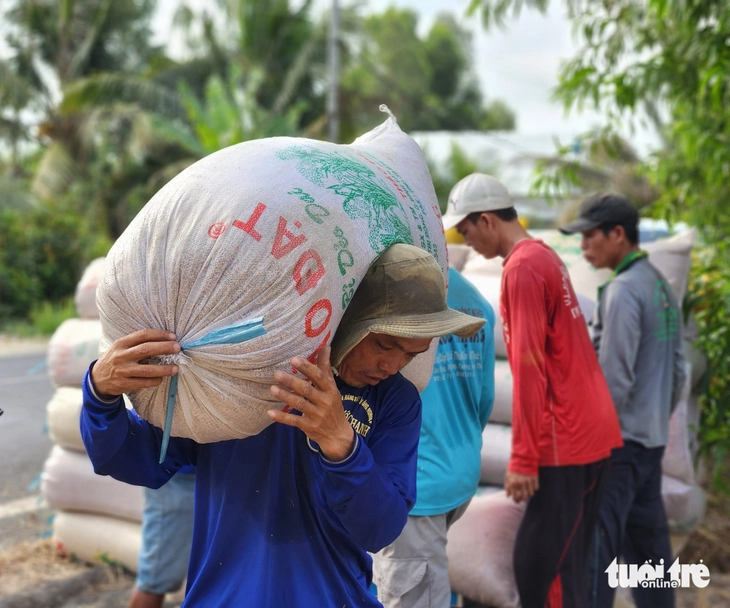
(250,256)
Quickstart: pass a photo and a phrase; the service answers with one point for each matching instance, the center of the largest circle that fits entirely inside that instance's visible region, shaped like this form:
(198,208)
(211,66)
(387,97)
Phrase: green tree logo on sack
(366,194)
(650,576)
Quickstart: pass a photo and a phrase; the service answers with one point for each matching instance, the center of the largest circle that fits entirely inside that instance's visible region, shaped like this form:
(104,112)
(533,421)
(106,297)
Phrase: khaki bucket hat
(402,295)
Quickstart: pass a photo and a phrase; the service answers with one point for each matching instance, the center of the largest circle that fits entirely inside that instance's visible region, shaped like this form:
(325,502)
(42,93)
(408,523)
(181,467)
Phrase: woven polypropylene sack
(85,295)
(495,453)
(277,233)
(97,538)
(502,408)
(62,416)
(680,452)
(71,349)
(684,503)
(480,549)
(68,482)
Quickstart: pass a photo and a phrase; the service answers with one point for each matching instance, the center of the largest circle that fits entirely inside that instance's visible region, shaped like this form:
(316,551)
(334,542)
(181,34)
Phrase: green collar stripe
(623,265)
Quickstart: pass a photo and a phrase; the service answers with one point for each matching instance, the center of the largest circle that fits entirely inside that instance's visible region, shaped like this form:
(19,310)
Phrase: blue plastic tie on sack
(235,334)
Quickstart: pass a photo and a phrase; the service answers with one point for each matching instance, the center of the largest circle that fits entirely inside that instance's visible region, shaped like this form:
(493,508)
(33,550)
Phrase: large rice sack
(495,454)
(85,296)
(458,255)
(268,240)
(71,349)
(684,504)
(97,538)
(489,286)
(681,449)
(480,546)
(62,414)
(502,407)
(68,482)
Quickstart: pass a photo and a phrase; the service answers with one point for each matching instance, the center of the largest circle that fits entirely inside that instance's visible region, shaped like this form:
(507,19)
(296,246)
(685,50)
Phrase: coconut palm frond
(56,170)
(178,133)
(91,32)
(14,129)
(111,89)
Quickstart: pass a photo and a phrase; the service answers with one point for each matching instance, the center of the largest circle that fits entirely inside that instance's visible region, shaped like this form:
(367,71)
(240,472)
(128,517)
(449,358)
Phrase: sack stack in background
(476,570)
(97,517)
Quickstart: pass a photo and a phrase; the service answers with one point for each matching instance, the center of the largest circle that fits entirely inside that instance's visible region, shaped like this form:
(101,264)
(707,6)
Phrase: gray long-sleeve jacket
(636,332)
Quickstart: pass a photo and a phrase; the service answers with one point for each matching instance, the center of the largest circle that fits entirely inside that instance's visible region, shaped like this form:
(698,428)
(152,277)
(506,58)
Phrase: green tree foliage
(42,255)
(16,95)
(279,41)
(56,44)
(276,39)
(428,83)
(669,61)
(79,37)
(457,165)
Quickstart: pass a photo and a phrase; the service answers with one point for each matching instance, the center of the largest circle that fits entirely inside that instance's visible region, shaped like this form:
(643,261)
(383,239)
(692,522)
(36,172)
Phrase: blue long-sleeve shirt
(276,524)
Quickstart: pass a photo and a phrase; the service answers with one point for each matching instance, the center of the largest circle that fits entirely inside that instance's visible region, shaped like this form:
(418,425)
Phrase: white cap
(475,192)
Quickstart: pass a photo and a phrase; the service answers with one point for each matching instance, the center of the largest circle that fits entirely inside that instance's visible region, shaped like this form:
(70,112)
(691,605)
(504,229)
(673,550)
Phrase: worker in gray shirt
(636,331)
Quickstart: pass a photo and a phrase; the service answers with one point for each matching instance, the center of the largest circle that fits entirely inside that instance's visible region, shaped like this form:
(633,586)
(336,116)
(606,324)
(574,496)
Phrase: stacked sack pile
(97,517)
(480,544)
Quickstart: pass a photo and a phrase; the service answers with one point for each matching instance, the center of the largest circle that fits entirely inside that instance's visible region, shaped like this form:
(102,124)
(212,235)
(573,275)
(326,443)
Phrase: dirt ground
(34,575)
(28,572)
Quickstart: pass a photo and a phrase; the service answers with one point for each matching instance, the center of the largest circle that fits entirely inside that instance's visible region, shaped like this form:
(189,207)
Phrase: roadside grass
(43,319)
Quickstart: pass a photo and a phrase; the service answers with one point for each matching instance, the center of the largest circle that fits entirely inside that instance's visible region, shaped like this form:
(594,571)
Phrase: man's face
(601,250)
(479,235)
(378,356)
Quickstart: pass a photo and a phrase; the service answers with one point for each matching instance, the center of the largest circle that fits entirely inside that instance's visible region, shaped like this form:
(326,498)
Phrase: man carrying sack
(287,517)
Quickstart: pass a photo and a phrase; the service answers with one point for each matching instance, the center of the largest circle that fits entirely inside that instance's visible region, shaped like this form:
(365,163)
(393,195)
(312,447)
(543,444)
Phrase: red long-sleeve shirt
(562,412)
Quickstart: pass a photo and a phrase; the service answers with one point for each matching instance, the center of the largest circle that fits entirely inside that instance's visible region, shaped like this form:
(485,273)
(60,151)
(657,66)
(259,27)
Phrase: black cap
(602,208)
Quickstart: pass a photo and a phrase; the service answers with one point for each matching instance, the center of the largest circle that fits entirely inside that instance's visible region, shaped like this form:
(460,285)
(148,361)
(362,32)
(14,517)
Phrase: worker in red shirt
(564,424)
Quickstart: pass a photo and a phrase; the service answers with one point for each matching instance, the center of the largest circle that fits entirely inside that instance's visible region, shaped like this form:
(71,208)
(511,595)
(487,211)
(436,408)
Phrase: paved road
(24,445)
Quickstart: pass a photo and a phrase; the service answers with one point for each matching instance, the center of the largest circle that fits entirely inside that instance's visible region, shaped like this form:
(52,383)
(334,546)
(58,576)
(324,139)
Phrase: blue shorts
(167,533)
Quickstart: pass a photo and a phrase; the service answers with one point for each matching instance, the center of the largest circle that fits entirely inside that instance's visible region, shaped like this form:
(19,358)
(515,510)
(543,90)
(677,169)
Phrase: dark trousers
(556,536)
(632,524)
